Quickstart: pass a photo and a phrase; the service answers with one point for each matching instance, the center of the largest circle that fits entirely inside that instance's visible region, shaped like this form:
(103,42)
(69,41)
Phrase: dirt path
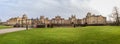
(3,31)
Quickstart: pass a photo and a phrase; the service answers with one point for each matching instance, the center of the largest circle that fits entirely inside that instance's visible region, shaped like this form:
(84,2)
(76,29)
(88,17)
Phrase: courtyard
(64,35)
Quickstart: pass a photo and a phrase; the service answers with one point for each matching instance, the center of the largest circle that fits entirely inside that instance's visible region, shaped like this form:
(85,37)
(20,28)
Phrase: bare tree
(116,16)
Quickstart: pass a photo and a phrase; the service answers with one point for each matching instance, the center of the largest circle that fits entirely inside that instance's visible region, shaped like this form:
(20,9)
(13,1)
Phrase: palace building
(19,20)
(89,19)
(93,19)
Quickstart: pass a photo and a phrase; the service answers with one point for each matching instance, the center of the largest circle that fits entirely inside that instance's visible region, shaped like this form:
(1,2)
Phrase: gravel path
(3,31)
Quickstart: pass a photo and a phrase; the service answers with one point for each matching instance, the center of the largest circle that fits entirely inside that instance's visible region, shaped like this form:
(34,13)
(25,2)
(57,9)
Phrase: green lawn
(4,27)
(79,35)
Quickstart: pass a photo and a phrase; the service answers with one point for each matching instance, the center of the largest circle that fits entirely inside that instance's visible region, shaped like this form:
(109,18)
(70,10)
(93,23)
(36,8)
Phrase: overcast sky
(51,8)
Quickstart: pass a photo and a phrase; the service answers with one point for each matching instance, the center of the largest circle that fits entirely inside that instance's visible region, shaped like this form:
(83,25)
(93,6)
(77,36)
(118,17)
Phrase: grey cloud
(49,8)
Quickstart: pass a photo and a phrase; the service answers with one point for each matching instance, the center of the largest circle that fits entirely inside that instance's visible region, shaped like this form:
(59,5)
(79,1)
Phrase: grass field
(4,27)
(79,35)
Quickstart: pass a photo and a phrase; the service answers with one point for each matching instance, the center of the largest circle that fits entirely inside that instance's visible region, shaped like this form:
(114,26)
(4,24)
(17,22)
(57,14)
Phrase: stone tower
(73,19)
(88,14)
(24,16)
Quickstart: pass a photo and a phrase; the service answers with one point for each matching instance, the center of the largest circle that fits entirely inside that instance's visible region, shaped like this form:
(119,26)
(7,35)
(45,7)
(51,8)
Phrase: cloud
(105,7)
(49,8)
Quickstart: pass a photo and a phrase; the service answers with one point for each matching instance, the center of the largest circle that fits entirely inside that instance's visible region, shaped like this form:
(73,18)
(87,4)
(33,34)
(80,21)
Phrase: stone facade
(73,19)
(59,20)
(90,19)
(19,20)
(94,19)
